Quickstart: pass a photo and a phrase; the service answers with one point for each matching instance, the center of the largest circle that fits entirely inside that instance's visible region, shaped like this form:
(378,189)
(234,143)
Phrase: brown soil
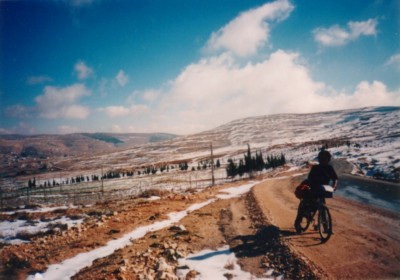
(258,227)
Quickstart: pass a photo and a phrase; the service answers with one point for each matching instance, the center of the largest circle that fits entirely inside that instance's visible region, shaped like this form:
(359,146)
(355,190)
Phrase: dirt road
(366,240)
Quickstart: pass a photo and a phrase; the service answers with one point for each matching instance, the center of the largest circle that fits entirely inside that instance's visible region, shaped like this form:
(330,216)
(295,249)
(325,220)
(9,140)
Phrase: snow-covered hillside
(368,137)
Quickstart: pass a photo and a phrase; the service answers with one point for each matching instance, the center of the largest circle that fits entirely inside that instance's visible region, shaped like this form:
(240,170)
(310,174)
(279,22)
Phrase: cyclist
(321,174)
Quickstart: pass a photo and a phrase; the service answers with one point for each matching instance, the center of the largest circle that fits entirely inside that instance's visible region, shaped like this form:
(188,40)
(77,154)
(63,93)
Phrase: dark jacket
(321,175)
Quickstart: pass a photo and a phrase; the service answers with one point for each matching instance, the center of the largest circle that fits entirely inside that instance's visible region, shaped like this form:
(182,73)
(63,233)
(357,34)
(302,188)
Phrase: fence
(108,189)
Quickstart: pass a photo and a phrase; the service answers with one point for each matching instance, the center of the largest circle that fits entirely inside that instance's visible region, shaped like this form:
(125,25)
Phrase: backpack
(302,189)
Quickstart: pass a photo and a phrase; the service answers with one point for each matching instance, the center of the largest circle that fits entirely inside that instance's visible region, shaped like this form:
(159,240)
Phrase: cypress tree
(231,169)
(241,168)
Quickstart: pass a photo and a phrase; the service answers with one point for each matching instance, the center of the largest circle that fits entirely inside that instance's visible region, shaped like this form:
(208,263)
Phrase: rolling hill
(367,137)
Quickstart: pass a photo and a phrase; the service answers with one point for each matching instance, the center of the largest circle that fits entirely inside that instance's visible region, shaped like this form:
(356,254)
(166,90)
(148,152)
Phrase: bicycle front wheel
(324,223)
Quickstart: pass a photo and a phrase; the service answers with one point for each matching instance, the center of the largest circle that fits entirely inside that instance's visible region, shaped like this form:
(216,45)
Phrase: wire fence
(107,189)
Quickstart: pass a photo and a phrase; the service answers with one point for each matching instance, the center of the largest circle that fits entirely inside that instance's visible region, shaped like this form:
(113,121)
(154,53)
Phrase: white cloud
(365,95)
(366,28)
(19,111)
(22,128)
(61,102)
(82,70)
(6,131)
(34,80)
(122,78)
(121,111)
(217,90)
(66,129)
(147,96)
(337,36)
(115,128)
(115,111)
(247,33)
(151,95)
(394,61)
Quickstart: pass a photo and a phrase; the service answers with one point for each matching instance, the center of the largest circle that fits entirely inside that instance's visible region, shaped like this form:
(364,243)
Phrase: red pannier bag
(301,189)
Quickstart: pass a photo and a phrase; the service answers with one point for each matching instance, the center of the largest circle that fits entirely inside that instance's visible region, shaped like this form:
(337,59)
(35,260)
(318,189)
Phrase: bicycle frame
(308,211)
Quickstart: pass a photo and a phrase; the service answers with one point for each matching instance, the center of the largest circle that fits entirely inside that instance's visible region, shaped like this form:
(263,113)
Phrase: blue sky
(185,66)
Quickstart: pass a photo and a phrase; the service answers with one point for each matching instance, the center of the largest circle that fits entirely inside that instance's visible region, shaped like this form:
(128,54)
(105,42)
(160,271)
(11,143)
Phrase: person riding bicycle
(321,174)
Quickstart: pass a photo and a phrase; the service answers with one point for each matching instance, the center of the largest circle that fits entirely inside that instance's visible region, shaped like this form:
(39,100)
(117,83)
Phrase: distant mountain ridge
(48,145)
(20,154)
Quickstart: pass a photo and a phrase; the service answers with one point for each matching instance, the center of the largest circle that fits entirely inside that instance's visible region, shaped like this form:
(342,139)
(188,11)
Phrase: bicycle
(307,211)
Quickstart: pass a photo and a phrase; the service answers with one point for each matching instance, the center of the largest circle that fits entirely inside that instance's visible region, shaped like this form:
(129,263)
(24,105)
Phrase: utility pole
(102,184)
(212,165)
(60,182)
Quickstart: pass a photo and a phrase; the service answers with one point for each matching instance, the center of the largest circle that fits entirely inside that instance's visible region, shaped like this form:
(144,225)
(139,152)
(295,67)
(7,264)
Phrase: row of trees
(183,166)
(250,164)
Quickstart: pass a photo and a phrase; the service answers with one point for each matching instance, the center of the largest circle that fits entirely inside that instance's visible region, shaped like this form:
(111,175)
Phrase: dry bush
(230,265)
(153,192)
(191,190)
(25,235)
(60,211)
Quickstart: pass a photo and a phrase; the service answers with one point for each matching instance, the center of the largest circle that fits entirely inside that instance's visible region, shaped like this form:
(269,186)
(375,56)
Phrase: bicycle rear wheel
(302,220)
(324,223)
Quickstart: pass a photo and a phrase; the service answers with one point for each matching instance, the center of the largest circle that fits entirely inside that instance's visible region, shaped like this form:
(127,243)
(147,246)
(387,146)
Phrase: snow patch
(9,231)
(216,265)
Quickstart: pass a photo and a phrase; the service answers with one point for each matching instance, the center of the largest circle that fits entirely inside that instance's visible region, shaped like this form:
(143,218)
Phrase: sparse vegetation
(153,192)
(104,138)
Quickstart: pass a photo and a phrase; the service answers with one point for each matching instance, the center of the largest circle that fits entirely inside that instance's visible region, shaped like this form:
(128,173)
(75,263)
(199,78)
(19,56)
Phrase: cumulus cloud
(248,32)
(367,94)
(82,70)
(67,129)
(335,35)
(21,128)
(121,111)
(115,128)
(217,90)
(58,102)
(151,95)
(19,111)
(394,61)
(122,78)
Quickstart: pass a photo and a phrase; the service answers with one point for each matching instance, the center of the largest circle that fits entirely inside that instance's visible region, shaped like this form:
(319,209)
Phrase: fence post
(28,195)
(102,183)
(44,194)
(1,198)
(212,165)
